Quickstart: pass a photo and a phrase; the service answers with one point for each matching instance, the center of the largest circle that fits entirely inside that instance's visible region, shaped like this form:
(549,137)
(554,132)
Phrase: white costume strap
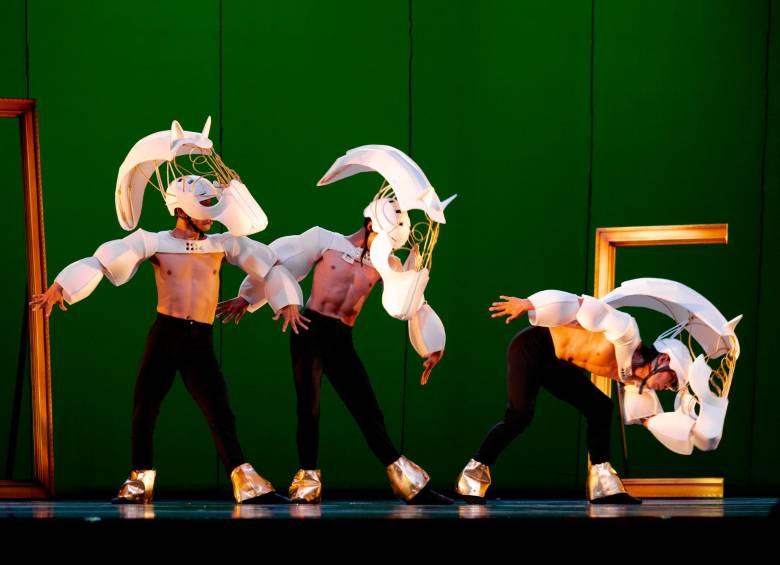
(426,332)
(167,243)
(554,308)
(118,260)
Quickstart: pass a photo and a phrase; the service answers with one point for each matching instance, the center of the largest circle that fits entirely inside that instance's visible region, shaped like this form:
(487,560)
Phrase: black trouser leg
(523,381)
(348,376)
(155,377)
(573,386)
(531,364)
(205,383)
(307,373)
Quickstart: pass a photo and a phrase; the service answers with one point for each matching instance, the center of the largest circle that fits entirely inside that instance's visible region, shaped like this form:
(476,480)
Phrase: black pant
(327,347)
(175,344)
(531,363)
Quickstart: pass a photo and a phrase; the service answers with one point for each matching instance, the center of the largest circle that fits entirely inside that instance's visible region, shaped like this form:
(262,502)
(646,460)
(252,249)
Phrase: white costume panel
(119,260)
(554,308)
(297,255)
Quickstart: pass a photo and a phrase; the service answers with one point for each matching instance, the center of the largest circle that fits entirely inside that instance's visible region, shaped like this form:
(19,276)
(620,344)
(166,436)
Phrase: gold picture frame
(607,242)
(42,485)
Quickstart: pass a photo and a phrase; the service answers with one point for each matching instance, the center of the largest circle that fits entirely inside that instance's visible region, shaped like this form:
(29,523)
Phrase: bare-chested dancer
(568,336)
(186,268)
(343,279)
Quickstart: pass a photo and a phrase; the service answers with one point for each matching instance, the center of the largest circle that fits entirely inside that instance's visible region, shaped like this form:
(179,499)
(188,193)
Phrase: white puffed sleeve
(426,331)
(117,260)
(295,256)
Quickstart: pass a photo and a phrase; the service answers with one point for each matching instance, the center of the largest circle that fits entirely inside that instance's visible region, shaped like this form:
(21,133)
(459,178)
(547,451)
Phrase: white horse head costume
(406,188)
(702,396)
(187,184)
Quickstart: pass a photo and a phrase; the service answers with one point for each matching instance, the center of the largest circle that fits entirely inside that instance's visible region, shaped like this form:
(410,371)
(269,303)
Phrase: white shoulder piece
(426,331)
(118,260)
(299,253)
(619,329)
(553,308)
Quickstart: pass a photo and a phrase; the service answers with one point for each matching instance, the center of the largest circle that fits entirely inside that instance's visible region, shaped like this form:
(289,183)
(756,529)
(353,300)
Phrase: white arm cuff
(553,308)
(426,331)
(282,289)
(120,258)
(79,279)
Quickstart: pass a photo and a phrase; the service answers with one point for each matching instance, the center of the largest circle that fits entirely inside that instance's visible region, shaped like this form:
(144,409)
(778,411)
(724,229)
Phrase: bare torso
(188,284)
(587,350)
(340,289)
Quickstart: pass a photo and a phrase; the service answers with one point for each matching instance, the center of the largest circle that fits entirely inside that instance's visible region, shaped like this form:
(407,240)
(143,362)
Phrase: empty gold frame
(607,242)
(42,485)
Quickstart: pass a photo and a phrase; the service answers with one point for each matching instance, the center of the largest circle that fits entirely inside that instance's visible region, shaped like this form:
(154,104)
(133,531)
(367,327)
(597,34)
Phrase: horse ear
(176,131)
(207,127)
(732,325)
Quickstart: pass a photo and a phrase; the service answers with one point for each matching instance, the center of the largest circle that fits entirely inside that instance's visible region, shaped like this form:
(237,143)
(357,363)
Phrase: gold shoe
(248,484)
(473,482)
(406,478)
(306,486)
(138,489)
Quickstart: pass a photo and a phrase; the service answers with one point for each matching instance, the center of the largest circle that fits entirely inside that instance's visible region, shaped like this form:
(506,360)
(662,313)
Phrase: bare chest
(334,271)
(583,348)
(200,267)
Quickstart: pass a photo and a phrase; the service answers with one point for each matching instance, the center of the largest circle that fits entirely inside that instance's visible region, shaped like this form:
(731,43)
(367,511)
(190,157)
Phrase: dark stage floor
(343,525)
(92,511)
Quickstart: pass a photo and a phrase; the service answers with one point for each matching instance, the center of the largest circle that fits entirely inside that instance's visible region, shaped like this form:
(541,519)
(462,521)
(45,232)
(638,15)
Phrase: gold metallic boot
(406,478)
(138,489)
(249,486)
(306,487)
(605,487)
(473,482)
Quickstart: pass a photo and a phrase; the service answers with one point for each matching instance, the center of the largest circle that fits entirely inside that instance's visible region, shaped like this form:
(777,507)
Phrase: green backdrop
(548,119)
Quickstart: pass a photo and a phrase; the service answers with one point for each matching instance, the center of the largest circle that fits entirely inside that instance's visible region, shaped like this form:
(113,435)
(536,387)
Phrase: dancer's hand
(48,299)
(512,307)
(292,317)
(233,309)
(430,362)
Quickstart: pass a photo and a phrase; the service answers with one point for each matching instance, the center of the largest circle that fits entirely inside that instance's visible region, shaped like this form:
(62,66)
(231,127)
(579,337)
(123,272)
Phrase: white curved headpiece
(237,209)
(702,398)
(408,189)
(685,306)
(411,186)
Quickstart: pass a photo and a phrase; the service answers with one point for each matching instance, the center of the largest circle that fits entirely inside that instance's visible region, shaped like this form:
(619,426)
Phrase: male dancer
(570,335)
(186,265)
(344,276)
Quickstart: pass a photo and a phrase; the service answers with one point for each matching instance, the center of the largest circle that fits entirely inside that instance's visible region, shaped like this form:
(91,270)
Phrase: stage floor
(373,510)
(359,530)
